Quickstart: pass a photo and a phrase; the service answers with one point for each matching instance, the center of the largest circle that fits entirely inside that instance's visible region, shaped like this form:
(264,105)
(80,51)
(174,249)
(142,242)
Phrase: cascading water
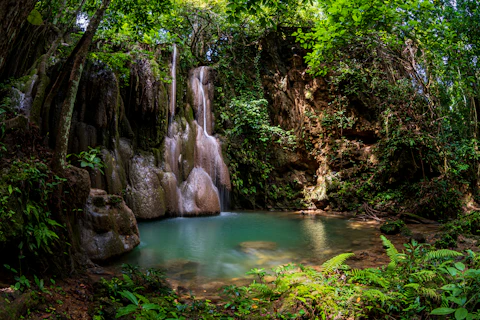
(208,152)
(173,92)
(173,143)
(196,179)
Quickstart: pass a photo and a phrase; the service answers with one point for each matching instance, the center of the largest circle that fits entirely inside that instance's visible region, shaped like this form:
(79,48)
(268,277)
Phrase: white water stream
(173,93)
(196,180)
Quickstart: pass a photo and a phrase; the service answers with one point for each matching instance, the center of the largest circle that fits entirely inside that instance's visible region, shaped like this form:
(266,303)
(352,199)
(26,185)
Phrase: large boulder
(108,227)
(145,194)
(200,196)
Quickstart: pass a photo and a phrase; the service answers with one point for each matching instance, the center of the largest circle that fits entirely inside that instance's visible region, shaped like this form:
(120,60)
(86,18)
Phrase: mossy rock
(99,201)
(19,307)
(392,227)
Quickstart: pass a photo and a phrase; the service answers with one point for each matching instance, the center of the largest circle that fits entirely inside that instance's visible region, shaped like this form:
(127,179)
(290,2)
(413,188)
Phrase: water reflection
(231,244)
(314,230)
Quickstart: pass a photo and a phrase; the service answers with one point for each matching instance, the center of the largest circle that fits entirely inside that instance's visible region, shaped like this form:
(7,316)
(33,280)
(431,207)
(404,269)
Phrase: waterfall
(196,179)
(204,100)
(173,93)
(173,148)
(208,152)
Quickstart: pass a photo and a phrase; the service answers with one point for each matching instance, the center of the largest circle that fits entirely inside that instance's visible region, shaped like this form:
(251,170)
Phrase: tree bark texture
(12,14)
(79,56)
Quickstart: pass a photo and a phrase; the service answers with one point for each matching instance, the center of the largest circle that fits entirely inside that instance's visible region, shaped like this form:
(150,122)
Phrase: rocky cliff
(335,138)
(162,168)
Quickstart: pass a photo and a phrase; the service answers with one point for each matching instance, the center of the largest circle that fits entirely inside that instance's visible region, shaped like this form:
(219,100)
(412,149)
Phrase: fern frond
(422,291)
(375,295)
(429,293)
(442,254)
(392,252)
(335,262)
(371,276)
(262,289)
(424,275)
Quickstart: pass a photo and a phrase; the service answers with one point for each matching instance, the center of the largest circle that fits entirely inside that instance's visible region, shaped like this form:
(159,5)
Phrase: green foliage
(410,65)
(134,18)
(422,282)
(140,307)
(272,13)
(146,295)
(35,18)
(465,225)
(249,150)
(118,62)
(90,159)
(392,227)
(392,252)
(334,263)
(25,216)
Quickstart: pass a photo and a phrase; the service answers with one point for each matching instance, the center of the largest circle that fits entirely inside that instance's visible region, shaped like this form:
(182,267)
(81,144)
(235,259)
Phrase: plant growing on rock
(90,159)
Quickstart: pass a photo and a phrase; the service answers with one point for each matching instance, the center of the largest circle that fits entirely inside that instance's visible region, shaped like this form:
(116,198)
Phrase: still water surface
(229,245)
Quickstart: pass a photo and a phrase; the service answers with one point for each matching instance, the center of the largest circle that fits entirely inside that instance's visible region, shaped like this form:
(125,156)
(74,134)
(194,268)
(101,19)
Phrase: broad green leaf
(130,296)
(35,18)
(461,313)
(151,306)
(442,311)
(126,310)
(453,272)
(460,266)
(449,287)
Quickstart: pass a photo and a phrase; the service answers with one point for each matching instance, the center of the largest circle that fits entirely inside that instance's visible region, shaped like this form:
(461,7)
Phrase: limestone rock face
(108,227)
(165,166)
(78,180)
(145,193)
(326,151)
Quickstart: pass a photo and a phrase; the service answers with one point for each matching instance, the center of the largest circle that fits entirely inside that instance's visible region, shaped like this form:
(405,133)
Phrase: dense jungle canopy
(369,107)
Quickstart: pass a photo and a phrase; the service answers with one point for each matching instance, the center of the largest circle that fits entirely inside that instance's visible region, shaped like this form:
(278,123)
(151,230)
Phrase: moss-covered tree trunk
(79,56)
(12,14)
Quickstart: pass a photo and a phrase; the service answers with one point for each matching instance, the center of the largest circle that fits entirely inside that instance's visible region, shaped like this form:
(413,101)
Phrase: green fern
(263,290)
(335,262)
(429,293)
(392,253)
(442,254)
(376,296)
(369,276)
(424,275)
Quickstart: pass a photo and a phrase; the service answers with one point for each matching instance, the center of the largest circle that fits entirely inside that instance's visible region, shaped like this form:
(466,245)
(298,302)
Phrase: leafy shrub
(250,146)
(26,220)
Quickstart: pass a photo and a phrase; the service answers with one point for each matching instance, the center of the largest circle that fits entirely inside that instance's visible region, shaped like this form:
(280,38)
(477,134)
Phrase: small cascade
(22,98)
(173,88)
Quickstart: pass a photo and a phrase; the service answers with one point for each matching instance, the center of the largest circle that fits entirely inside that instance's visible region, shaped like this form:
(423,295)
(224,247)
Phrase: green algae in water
(229,245)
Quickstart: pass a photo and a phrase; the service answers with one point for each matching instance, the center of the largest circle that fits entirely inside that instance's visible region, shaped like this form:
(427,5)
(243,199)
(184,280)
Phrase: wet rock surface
(108,227)
(247,246)
(165,166)
(145,193)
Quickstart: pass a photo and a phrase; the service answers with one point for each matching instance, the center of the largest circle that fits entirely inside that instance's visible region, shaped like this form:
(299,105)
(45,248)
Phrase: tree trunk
(79,56)
(12,14)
